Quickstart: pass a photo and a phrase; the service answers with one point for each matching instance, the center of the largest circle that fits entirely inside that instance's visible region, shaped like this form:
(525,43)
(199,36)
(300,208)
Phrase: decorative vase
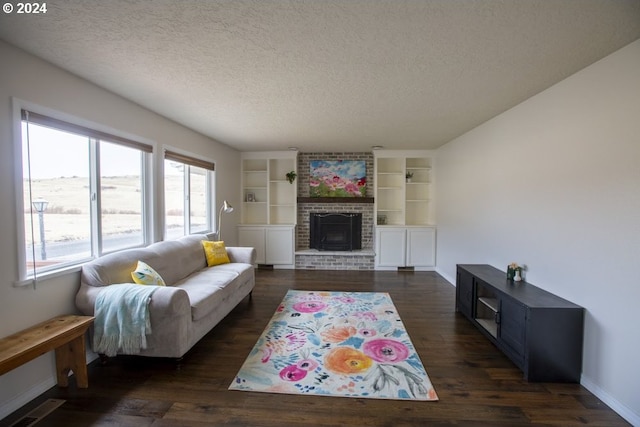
(517,277)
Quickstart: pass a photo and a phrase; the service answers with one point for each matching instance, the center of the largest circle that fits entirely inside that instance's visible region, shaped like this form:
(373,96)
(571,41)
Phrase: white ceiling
(326,75)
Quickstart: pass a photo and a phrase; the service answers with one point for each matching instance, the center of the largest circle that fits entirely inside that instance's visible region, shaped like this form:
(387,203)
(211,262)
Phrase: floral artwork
(341,178)
(350,344)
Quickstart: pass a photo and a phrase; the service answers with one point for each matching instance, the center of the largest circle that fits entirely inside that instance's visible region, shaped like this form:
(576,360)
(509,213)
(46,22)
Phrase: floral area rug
(350,344)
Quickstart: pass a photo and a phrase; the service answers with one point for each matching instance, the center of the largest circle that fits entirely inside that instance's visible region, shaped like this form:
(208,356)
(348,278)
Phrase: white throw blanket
(122,318)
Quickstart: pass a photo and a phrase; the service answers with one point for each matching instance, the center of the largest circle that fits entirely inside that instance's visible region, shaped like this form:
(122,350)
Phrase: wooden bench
(64,334)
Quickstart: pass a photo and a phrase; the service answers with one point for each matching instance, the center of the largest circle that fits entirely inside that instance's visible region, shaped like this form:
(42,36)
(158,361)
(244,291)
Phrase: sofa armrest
(244,254)
(165,301)
(169,301)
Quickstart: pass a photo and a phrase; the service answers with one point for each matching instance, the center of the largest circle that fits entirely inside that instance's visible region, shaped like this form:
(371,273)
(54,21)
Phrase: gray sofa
(195,299)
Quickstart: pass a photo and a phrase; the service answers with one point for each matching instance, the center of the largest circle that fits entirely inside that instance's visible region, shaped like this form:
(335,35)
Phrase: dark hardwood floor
(477,385)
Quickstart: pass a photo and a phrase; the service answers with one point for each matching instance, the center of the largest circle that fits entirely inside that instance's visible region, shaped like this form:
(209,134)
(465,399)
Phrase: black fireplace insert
(336,231)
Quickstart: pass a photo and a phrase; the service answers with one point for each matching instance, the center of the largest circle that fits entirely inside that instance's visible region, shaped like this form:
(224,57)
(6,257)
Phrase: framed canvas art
(338,178)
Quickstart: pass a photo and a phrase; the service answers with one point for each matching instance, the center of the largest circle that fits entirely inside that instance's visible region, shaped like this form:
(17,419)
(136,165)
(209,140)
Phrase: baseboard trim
(451,280)
(621,409)
(22,399)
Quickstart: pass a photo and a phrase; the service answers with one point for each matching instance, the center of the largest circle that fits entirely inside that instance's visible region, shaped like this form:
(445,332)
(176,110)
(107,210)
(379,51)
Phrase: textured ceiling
(326,75)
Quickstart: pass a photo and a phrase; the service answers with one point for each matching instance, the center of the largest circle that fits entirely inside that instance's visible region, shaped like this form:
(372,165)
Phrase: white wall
(25,77)
(554,183)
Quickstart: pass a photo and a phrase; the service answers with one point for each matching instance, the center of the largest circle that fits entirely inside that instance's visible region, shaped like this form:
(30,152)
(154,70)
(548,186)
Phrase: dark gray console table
(540,332)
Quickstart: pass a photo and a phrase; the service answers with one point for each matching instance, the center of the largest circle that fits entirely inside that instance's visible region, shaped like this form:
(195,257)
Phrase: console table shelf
(540,332)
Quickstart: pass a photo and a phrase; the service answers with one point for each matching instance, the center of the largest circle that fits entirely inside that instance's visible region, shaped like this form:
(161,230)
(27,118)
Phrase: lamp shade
(226,207)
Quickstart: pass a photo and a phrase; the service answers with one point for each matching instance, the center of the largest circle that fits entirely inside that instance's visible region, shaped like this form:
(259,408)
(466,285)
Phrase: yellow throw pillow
(215,252)
(145,275)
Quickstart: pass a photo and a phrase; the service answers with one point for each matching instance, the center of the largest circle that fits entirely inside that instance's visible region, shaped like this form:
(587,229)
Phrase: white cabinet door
(405,247)
(421,247)
(280,243)
(274,245)
(254,237)
(391,247)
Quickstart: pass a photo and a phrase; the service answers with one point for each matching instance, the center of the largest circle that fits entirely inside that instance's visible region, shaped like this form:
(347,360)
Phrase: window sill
(31,281)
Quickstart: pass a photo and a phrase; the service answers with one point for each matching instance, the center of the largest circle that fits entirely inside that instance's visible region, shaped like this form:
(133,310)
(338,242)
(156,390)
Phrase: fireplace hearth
(335,231)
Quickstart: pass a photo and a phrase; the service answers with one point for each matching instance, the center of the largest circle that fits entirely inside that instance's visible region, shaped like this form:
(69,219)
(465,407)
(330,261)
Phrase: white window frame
(26,275)
(210,191)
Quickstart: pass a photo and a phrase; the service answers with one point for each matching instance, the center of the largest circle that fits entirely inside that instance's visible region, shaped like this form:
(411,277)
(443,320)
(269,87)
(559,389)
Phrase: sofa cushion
(180,258)
(215,252)
(202,287)
(145,275)
(236,267)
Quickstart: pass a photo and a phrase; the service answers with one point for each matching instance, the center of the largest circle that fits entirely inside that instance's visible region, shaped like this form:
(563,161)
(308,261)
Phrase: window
(83,193)
(122,202)
(187,187)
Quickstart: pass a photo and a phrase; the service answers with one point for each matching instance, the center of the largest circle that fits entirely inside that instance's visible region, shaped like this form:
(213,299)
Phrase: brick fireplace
(307,258)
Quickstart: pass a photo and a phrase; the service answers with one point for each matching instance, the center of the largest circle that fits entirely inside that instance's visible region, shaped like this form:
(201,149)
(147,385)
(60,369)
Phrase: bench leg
(71,357)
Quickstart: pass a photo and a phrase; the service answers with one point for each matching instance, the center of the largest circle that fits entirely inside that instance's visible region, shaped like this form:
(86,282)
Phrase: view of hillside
(67,216)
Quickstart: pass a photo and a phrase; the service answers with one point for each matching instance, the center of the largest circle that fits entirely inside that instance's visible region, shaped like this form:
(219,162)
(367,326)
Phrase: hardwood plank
(476,383)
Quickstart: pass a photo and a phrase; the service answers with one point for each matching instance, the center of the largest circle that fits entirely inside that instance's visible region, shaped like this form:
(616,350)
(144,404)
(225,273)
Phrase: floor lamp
(226,208)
